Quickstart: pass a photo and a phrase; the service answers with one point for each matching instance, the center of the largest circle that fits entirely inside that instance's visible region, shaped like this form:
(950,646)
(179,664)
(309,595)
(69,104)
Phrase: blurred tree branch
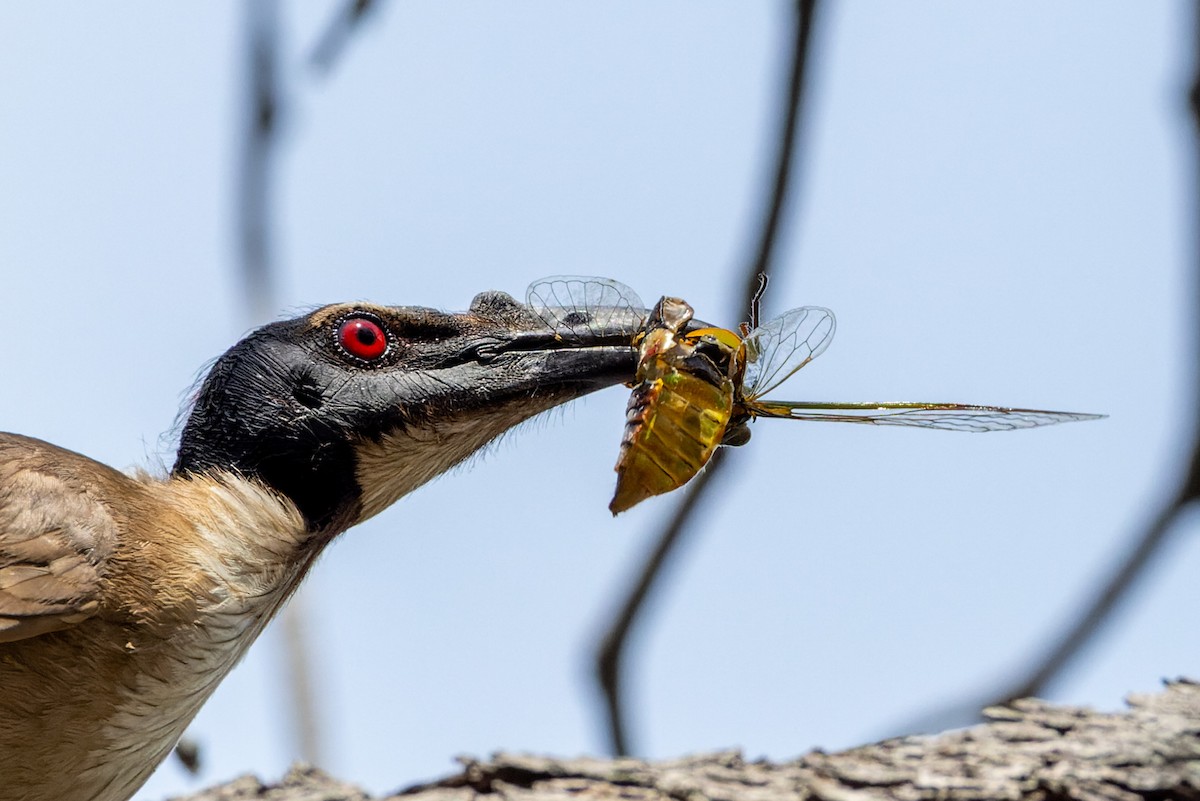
(1150,542)
(255,218)
(612,645)
(345,23)
(257,162)
(259,135)
(1134,565)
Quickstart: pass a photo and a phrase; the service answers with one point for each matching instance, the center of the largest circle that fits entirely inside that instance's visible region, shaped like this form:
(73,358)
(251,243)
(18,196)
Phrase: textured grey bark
(1032,750)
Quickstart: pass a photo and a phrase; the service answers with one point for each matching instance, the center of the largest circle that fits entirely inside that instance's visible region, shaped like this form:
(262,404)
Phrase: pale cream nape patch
(247,557)
(403,460)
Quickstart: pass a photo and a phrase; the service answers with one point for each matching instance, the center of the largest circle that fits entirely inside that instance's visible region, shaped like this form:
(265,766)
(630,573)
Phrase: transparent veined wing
(777,349)
(943,416)
(572,305)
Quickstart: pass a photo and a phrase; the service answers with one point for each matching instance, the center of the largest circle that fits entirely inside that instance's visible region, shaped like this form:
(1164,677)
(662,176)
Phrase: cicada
(698,387)
(680,407)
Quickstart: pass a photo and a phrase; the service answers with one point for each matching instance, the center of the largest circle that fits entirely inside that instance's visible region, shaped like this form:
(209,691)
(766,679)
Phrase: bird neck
(215,544)
(241,533)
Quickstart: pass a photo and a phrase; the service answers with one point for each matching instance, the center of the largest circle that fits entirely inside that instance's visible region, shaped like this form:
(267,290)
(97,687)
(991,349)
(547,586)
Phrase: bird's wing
(54,540)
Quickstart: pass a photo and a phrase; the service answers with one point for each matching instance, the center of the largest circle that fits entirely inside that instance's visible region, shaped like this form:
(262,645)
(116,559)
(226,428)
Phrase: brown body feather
(166,614)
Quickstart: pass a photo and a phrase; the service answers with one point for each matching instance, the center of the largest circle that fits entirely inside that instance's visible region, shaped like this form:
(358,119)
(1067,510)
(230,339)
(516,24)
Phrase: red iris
(363,338)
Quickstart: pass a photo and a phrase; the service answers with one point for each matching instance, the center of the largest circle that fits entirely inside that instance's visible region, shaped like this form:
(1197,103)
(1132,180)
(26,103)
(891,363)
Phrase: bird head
(348,408)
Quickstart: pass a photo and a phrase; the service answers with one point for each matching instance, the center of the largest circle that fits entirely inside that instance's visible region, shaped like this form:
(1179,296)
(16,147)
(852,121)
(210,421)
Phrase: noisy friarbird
(124,600)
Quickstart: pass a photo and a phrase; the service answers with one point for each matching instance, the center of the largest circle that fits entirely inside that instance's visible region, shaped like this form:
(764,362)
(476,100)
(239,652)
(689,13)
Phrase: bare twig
(252,222)
(255,215)
(759,270)
(332,43)
(612,645)
(1133,566)
(1150,542)
(257,155)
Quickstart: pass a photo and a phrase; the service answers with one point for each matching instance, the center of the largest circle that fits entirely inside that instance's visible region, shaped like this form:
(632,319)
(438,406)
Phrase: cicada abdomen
(678,411)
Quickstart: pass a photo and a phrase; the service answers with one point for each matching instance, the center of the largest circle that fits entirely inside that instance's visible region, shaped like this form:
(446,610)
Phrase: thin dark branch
(612,645)
(1133,567)
(345,23)
(259,135)
(255,216)
(1067,647)
(257,155)
(302,698)
(1100,609)
(785,173)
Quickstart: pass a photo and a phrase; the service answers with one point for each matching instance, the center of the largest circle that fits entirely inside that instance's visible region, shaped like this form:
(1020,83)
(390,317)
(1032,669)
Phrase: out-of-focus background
(995,198)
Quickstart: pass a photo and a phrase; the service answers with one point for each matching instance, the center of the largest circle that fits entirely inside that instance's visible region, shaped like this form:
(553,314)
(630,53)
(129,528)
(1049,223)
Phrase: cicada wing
(777,349)
(943,416)
(572,305)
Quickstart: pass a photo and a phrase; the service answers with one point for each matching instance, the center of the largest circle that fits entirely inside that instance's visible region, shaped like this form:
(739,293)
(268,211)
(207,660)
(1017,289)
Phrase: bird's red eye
(363,338)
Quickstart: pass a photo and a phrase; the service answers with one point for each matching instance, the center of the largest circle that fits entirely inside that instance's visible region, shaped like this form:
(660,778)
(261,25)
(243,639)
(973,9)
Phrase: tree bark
(1032,750)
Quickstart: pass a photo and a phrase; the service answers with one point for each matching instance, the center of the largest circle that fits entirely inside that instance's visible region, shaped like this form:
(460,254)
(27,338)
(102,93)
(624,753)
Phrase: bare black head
(350,407)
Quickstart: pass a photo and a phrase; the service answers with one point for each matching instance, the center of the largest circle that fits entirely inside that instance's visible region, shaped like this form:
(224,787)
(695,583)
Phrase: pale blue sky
(995,204)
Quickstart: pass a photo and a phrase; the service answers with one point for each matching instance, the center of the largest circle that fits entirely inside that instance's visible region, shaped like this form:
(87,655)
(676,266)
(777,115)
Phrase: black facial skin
(287,405)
